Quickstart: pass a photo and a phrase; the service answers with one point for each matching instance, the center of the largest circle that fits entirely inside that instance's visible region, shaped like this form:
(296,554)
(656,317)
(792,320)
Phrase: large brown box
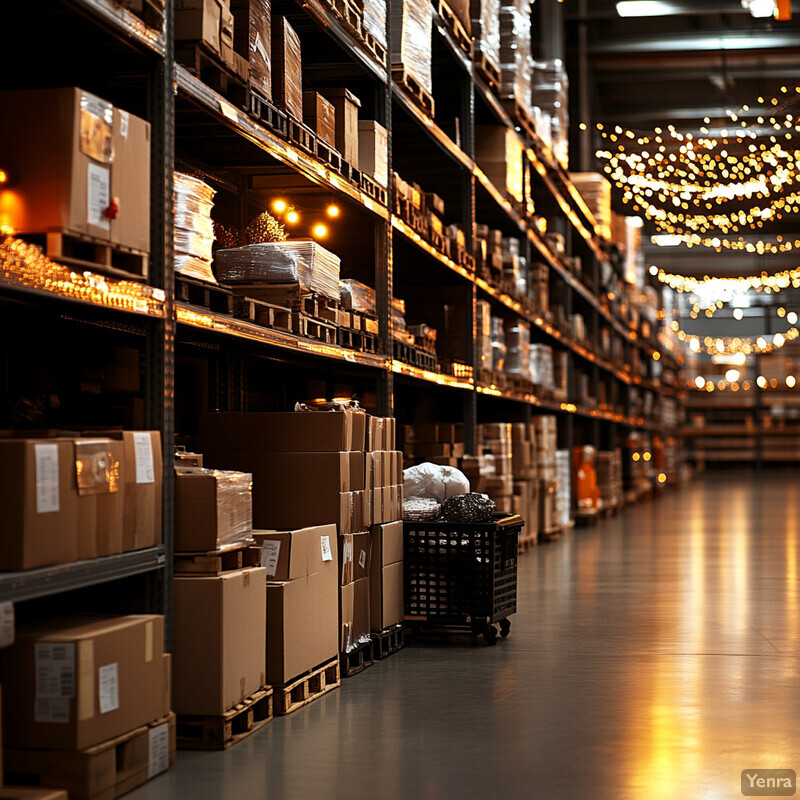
(74,153)
(386,575)
(213,508)
(200,21)
(287,69)
(82,680)
(219,640)
(373,151)
(296,489)
(499,153)
(303,618)
(40,503)
(292,554)
(346,106)
(282,432)
(320,115)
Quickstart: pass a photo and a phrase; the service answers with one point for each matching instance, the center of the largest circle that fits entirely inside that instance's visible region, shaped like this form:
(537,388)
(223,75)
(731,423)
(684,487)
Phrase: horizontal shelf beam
(123,23)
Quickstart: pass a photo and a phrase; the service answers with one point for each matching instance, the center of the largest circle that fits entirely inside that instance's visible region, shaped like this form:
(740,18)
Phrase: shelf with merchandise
(44,581)
(402,369)
(411,236)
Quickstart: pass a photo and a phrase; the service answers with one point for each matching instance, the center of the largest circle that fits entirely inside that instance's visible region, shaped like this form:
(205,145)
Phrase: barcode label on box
(46,456)
(6,624)
(109,688)
(51,709)
(99,196)
(325,544)
(158,759)
(270,550)
(143,455)
(362,559)
(55,670)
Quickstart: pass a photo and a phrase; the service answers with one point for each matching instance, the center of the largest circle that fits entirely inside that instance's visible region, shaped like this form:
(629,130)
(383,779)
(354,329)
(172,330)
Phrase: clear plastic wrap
(541,365)
(357,296)
(518,346)
(498,344)
(375,19)
(192,201)
(260,42)
(412,24)
(287,67)
(550,93)
(596,191)
(516,63)
(486,29)
(298,261)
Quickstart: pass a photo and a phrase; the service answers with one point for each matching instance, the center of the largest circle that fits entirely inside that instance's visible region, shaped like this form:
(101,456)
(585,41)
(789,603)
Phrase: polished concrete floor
(653,657)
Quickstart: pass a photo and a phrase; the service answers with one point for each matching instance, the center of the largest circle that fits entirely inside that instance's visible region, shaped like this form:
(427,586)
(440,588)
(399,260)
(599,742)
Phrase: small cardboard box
(288,555)
(346,106)
(80,681)
(320,115)
(387,544)
(386,596)
(282,432)
(219,640)
(213,508)
(40,503)
(373,151)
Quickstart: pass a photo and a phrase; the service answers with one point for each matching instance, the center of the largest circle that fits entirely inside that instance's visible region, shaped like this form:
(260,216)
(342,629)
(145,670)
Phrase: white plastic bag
(434,481)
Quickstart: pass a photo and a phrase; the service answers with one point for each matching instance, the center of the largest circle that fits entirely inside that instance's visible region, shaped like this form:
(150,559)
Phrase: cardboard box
(346,106)
(320,115)
(355,556)
(387,544)
(219,640)
(287,70)
(252,34)
(354,614)
(288,555)
(302,624)
(373,151)
(386,596)
(40,503)
(129,182)
(142,472)
(397,503)
(499,153)
(199,21)
(213,509)
(82,680)
(282,432)
(296,489)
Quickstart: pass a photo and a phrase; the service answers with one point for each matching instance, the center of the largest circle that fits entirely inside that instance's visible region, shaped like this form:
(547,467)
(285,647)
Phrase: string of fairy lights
(686,184)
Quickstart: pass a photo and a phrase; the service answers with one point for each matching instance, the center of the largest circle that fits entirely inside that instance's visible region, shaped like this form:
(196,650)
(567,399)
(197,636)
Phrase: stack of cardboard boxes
(609,476)
(526,487)
(546,440)
(69,498)
(496,439)
(88,708)
(435,442)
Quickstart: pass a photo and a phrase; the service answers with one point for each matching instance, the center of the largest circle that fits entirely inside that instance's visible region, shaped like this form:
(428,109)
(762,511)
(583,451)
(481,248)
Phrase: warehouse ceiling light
(646,8)
(666,240)
(760,8)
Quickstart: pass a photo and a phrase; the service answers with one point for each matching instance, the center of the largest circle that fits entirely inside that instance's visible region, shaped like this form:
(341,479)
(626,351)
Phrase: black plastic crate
(457,573)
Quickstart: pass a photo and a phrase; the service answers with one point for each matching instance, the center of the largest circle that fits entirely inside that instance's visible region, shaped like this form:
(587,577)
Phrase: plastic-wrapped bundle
(357,296)
(486,29)
(550,93)
(541,365)
(515,51)
(375,19)
(498,344)
(260,46)
(301,261)
(192,201)
(399,328)
(518,346)
(484,333)
(412,23)
(523,279)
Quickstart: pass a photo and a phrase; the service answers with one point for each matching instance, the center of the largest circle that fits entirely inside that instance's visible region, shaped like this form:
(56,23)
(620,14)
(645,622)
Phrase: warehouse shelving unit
(190,358)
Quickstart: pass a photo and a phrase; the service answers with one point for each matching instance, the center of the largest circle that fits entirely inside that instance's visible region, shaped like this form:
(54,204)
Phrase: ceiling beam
(679,7)
(708,41)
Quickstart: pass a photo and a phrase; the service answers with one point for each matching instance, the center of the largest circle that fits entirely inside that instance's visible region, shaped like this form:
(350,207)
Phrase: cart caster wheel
(490,636)
(505,627)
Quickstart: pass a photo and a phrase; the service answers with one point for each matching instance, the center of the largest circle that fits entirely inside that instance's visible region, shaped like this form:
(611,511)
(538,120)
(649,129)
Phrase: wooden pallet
(217,561)
(357,340)
(522,116)
(416,92)
(214,297)
(373,189)
(266,112)
(377,50)
(151,12)
(415,357)
(357,660)
(331,157)
(313,328)
(349,14)
(302,136)
(265,314)
(213,72)
(306,688)
(102,772)
(388,641)
(526,543)
(485,68)
(219,732)
(455,27)
(88,253)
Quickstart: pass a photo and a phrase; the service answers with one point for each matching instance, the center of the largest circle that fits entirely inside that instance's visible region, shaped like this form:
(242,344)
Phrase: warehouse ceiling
(702,60)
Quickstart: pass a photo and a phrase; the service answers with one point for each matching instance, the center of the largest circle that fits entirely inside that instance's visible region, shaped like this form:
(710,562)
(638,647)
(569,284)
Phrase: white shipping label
(46,456)
(325,544)
(51,709)
(124,121)
(6,624)
(158,758)
(99,195)
(143,455)
(270,550)
(109,688)
(362,559)
(55,670)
